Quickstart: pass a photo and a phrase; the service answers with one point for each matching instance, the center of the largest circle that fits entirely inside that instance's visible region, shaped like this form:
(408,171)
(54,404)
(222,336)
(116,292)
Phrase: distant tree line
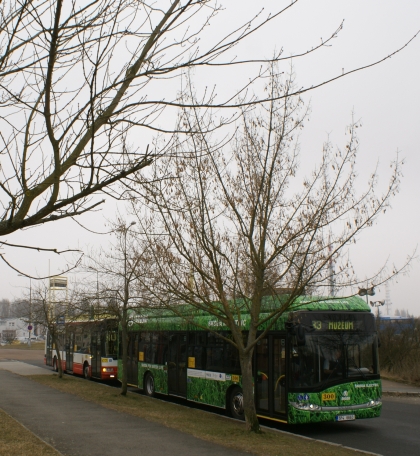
(403,313)
(13,309)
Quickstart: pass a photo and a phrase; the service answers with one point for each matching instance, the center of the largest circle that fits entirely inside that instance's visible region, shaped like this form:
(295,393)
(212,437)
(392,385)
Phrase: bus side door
(177,364)
(270,376)
(133,359)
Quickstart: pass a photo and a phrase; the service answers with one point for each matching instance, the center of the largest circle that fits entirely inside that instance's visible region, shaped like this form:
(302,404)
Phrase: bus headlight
(310,407)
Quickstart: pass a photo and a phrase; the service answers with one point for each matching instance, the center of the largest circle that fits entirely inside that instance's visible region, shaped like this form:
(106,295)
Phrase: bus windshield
(328,357)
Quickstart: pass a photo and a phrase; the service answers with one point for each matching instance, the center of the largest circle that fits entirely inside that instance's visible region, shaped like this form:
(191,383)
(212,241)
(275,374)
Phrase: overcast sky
(386,98)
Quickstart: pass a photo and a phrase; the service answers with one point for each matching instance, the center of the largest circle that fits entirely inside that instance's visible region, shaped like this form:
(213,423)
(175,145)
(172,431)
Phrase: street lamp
(366,292)
(377,304)
(30,307)
(126,228)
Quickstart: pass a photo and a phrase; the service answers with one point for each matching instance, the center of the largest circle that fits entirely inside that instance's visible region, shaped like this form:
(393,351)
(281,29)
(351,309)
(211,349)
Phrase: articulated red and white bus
(87,347)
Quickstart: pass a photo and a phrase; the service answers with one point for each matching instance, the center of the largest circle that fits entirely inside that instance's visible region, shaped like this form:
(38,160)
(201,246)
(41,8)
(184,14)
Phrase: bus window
(214,361)
(231,357)
(360,359)
(86,342)
(262,374)
(197,349)
(111,344)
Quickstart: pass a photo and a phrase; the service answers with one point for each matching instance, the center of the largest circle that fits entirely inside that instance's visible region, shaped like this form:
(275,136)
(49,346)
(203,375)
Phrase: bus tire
(149,385)
(86,371)
(236,403)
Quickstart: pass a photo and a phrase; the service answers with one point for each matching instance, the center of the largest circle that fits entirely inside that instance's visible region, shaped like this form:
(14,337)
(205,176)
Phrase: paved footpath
(390,388)
(76,427)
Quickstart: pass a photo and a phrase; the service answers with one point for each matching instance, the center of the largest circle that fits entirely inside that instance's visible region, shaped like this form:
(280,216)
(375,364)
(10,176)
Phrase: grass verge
(206,426)
(16,440)
(34,346)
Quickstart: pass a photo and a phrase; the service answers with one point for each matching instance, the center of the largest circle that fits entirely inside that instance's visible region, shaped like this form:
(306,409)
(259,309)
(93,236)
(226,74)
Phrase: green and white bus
(319,361)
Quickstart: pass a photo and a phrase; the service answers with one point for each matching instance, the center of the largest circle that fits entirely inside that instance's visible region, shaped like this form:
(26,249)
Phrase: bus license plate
(345,417)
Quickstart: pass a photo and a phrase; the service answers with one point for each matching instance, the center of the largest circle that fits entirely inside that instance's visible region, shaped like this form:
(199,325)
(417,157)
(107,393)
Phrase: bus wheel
(86,372)
(236,403)
(149,385)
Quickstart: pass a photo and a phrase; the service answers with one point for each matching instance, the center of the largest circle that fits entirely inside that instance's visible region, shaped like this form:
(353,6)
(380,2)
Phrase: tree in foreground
(77,81)
(119,291)
(51,312)
(236,226)
(83,85)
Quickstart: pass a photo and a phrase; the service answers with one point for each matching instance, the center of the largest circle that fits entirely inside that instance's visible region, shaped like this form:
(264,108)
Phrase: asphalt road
(396,432)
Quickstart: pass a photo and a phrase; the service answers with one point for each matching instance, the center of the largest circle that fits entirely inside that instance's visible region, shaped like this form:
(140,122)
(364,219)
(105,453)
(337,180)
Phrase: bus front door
(279,375)
(177,365)
(270,376)
(96,355)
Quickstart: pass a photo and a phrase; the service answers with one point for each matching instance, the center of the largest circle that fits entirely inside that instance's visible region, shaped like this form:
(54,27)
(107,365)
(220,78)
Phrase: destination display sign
(343,325)
(336,322)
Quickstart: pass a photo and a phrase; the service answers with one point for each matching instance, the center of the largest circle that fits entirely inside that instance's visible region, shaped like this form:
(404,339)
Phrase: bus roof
(185,317)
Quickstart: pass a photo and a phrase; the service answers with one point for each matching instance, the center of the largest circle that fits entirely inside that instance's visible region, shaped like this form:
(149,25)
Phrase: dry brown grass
(399,353)
(22,355)
(16,440)
(18,346)
(206,426)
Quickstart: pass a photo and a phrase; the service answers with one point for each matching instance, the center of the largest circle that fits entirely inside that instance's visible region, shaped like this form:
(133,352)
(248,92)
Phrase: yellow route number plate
(328,396)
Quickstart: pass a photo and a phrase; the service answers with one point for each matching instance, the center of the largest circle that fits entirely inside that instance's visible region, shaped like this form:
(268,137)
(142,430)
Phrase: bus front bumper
(312,413)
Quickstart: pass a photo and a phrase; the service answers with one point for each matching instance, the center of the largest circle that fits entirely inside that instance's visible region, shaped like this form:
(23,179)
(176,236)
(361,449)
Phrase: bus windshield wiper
(355,367)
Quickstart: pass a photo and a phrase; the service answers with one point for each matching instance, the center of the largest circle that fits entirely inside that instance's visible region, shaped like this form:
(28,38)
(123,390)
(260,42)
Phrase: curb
(400,394)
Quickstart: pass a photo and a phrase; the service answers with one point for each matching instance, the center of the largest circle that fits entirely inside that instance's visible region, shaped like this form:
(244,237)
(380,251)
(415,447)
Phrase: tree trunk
(124,341)
(250,412)
(57,350)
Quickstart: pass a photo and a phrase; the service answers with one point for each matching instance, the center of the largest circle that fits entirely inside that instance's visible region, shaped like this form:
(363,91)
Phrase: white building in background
(14,328)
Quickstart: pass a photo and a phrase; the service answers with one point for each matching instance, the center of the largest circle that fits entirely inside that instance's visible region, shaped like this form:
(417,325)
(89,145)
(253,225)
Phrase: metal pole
(126,284)
(97,290)
(125,259)
(30,309)
(367,286)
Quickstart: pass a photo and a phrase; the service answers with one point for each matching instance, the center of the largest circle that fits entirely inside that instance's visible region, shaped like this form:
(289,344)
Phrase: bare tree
(74,80)
(5,308)
(235,226)
(118,291)
(9,336)
(82,85)
(51,314)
